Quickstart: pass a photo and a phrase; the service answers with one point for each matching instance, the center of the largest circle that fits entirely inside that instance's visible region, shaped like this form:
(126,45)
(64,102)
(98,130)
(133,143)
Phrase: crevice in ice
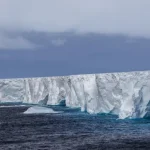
(62,103)
(44,101)
(147,114)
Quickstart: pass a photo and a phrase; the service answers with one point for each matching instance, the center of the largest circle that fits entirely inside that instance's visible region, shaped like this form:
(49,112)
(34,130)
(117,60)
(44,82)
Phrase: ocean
(70,130)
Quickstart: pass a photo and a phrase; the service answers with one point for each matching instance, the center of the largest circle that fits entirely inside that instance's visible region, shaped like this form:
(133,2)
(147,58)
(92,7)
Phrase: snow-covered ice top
(126,94)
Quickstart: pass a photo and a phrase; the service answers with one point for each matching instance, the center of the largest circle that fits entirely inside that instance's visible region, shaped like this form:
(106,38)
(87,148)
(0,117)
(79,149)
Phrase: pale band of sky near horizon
(129,17)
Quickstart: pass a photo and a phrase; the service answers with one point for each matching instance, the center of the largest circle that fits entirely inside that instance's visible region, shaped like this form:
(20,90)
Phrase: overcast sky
(103,16)
(47,35)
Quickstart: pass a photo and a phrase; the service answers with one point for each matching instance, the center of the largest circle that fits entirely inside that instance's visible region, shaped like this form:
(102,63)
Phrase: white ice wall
(125,94)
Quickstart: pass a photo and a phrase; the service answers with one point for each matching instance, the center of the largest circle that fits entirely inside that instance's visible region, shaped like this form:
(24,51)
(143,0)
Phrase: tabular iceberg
(125,94)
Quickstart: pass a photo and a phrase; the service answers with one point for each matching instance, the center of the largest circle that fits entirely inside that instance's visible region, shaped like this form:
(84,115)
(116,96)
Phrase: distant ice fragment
(40,110)
(2,106)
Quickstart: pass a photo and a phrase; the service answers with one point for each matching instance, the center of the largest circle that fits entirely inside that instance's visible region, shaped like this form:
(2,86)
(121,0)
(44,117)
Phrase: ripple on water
(70,130)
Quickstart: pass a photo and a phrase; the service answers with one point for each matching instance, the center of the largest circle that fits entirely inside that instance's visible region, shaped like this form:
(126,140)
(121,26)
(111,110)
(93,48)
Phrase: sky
(64,37)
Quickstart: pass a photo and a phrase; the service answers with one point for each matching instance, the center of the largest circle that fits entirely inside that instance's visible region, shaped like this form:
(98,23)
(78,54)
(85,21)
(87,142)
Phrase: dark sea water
(71,130)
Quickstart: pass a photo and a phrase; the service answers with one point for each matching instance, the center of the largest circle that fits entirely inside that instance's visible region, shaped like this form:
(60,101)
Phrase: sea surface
(70,130)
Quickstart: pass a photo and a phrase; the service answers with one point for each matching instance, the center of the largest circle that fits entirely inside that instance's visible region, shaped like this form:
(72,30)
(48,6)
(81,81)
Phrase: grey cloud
(14,43)
(129,17)
(89,53)
(58,42)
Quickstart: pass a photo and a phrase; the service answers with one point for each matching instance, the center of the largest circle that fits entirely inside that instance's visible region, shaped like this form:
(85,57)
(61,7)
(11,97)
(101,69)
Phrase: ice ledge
(126,94)
(40,110)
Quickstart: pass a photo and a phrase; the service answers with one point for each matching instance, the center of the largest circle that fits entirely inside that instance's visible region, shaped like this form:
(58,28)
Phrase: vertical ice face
(12,90)
(35,89)
(90,90)
(124,94)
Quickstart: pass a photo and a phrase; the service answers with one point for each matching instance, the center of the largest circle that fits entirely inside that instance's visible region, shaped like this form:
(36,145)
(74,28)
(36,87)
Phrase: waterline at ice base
(124,94)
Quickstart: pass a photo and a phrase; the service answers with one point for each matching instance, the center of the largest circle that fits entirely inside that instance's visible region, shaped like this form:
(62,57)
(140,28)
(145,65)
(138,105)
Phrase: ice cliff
(125,94)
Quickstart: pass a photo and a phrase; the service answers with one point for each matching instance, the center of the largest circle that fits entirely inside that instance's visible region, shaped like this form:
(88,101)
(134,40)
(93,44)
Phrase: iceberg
(39,110)
(125,94)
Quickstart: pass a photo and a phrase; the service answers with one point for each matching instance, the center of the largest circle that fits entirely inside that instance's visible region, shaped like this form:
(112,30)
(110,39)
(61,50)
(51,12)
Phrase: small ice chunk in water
(39,110)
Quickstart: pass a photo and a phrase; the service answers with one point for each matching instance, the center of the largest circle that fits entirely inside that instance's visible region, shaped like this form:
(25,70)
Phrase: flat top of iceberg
(40,110)
(103,73)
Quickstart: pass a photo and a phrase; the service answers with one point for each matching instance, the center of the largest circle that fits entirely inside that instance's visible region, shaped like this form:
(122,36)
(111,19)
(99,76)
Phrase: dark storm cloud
(90,53)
